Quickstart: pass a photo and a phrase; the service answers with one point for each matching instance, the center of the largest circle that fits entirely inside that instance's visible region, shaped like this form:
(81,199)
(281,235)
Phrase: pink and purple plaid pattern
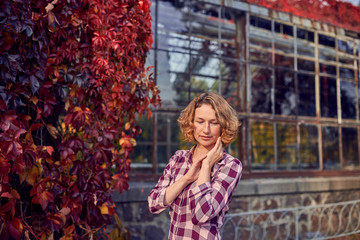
(198,212)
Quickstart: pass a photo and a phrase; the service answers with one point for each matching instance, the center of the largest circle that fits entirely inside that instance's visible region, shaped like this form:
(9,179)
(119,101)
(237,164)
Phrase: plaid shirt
(198,212)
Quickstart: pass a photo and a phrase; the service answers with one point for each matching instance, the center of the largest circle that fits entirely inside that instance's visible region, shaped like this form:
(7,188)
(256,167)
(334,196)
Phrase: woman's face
(206,126)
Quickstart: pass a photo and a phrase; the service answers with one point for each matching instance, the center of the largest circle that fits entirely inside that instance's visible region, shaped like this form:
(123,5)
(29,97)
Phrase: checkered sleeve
(157,194)
(208,199)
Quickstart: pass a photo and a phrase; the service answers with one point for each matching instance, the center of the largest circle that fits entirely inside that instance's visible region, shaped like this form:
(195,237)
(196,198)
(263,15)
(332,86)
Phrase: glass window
(172,27)
(262,145)
(169,138)
(201,84)
(345,46)
(305,49)
(173,78)
(139,160)
(346,73)
(260,23)
(284,45)
(204,65)
(327,69)
(305,34)
(284,61)
(350,148)
(348,98)
(285,98)
(284,29)
(326,40)
(260,39)
(261,85)
(230,72)
(306,89)
(327,54)
(260,56)
(330,144)
(286,146)
(309,152)
(305,65)
(204,24)
(346,59)
(328,99)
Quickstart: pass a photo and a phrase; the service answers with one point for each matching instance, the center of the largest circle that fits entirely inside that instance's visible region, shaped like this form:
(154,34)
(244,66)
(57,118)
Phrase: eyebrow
(200,118)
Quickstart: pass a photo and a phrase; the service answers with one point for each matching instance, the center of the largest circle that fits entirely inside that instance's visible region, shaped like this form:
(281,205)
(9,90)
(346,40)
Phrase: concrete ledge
(138,191)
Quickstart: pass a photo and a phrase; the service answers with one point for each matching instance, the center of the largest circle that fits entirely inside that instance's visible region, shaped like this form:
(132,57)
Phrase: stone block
(245,187)
(154,233)
(313,185)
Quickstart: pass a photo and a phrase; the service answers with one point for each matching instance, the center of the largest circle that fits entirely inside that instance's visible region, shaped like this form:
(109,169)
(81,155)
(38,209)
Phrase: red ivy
(333,12)
(73,80)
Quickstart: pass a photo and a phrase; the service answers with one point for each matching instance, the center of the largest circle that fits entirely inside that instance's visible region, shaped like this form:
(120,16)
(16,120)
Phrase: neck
(201,150)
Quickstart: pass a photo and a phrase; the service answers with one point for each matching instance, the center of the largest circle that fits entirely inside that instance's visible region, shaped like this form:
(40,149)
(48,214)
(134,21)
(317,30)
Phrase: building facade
(294,82)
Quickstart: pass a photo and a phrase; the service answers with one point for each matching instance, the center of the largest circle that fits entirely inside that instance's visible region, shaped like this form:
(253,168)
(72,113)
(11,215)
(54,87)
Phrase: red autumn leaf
(49,150)
(18,165)
(121,183)
(3,106)
(13,194)
(35,126)
(15,228)
(19,132)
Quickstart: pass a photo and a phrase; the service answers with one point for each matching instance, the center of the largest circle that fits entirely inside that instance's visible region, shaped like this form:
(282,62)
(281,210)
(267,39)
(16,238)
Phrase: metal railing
(311,222)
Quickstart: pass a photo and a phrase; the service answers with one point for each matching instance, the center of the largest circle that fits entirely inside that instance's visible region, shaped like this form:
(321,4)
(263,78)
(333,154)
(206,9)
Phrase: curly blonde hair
(225,114)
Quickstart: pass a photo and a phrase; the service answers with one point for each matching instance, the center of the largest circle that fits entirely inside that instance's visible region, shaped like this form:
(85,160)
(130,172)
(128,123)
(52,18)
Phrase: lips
(206,138)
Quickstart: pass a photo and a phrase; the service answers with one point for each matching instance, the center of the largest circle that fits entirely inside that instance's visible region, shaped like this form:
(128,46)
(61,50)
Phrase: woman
(197,184)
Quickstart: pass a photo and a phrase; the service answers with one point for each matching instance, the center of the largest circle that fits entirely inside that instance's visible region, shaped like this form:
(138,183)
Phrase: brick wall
(250,195)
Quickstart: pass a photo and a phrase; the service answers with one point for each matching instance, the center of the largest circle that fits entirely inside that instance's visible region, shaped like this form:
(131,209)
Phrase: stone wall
(250,195)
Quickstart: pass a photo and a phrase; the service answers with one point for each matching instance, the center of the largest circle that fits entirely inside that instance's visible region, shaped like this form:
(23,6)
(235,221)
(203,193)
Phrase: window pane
(328,99)
(345,46)
(204,24)
(230,71)
(141,157)
(260,39)
(286,146)
(346,59)
(261,89)
(172,27)
(284,45)
(350,148)
(304,34)
(168,138)
(262,145)
(309,152)
(260,56)
(260,23)
(204,65)
(327,54)
(284,61)
(285,98)
(304,49)
(330,142)
(347,73)
(204,46)
(348,99)
(200,84)
(306,65)
(172,78)
(306,86)
(327,41)
(327,69)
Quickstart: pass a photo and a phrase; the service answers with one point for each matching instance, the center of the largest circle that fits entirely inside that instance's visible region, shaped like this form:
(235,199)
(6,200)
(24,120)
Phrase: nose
(206,129)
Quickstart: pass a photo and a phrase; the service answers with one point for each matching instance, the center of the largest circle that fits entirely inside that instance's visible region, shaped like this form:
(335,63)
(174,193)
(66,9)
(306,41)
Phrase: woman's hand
(193,173)
(215,154)
(212,157)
